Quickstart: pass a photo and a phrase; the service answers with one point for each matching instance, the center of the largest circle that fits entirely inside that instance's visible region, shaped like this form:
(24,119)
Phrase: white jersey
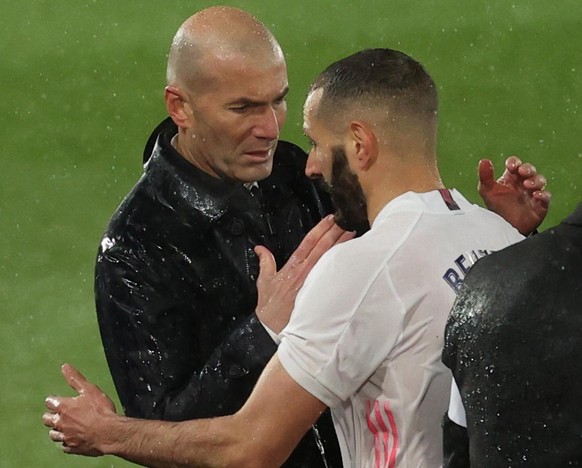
(366,333)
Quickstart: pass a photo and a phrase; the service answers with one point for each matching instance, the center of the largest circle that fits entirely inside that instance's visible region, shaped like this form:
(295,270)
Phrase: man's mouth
(260,154)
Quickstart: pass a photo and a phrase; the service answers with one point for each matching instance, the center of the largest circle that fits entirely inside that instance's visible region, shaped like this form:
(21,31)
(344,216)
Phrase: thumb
(486,175)
(74,378)
(267,264)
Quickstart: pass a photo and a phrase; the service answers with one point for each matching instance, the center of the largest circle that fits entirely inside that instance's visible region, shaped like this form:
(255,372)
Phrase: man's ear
(177,107)
(364,144)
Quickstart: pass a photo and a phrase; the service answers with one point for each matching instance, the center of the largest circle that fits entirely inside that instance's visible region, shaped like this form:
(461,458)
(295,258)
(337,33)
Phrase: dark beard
(347,195)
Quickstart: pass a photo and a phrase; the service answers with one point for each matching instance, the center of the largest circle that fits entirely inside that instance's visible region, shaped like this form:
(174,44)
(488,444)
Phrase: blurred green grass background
(82,84)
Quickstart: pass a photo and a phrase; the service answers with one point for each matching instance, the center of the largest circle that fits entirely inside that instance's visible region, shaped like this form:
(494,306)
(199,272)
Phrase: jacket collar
(186,188)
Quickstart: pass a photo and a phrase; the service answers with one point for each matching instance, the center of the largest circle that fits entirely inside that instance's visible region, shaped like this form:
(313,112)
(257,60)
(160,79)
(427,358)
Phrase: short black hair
(378,76)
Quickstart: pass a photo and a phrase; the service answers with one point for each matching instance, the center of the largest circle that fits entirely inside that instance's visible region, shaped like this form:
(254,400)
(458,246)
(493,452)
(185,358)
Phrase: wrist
(109,434)
(274,335)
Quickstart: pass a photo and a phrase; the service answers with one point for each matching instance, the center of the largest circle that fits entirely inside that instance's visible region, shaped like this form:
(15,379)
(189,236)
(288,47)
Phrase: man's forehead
(311,106)
(229,59)
(236,74)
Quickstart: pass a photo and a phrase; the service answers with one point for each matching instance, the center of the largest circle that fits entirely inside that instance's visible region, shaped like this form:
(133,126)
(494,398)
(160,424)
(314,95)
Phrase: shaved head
(226,87)
(389,89)
(218,35)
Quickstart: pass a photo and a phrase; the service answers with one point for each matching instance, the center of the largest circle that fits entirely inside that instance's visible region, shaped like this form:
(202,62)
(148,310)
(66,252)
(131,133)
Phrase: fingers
(267,263)
(346,236)
(52,403)
(531,179)
(50,419)
(74,378)
(486,174)
(327,241)
(56,436)
(526,170)
(318,238)
(544,197)
(536,182)
(512,164)
(312,237)
(68,446)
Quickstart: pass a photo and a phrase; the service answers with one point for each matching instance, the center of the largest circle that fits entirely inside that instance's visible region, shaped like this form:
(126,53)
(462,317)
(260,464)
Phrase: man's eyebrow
(244,101)
(283,94)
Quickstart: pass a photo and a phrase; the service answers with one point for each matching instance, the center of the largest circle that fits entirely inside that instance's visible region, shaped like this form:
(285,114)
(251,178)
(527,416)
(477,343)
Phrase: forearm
(200,443)
(263,433)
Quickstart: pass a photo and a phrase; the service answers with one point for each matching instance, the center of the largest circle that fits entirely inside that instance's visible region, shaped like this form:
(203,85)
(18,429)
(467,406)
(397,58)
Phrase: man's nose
(269,124)
(312,167)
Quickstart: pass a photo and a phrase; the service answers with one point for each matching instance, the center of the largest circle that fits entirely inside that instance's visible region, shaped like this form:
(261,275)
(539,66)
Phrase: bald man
(366,332)
(176,270)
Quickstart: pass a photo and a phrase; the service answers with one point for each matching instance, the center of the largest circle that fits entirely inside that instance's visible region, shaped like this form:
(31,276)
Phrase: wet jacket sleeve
(455,437)
(455,445)
(226,380)
(165,357)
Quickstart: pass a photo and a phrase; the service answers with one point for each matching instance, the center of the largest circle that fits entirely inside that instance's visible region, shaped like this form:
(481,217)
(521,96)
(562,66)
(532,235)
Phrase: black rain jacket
(175,286)
(514,344)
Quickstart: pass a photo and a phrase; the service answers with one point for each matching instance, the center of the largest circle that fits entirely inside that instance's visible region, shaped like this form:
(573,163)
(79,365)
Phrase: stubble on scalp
(390,92)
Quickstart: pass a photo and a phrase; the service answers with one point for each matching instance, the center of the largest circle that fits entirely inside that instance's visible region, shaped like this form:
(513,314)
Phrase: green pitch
(82,85)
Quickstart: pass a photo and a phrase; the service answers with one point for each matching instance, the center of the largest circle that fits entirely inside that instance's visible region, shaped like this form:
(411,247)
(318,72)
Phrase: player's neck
(387,188)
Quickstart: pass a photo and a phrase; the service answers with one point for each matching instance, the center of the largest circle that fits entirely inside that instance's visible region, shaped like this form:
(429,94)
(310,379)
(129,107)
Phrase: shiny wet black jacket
(175,286)
(514,344)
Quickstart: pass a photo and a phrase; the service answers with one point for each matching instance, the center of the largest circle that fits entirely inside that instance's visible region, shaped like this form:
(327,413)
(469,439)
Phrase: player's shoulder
(366,255)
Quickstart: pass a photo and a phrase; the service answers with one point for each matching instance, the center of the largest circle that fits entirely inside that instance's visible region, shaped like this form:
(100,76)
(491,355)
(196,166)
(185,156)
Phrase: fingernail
(52,401)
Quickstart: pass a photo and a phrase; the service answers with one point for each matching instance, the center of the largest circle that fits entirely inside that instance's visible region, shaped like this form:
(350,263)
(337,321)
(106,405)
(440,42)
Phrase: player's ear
(364,144)
(177,106)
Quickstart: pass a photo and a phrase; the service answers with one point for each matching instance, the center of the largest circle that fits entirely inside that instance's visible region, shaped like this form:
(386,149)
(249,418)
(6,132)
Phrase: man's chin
(257,172)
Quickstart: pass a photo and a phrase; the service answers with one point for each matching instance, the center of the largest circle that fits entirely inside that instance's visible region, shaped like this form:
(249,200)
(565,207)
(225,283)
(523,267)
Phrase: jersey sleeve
(332,344)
